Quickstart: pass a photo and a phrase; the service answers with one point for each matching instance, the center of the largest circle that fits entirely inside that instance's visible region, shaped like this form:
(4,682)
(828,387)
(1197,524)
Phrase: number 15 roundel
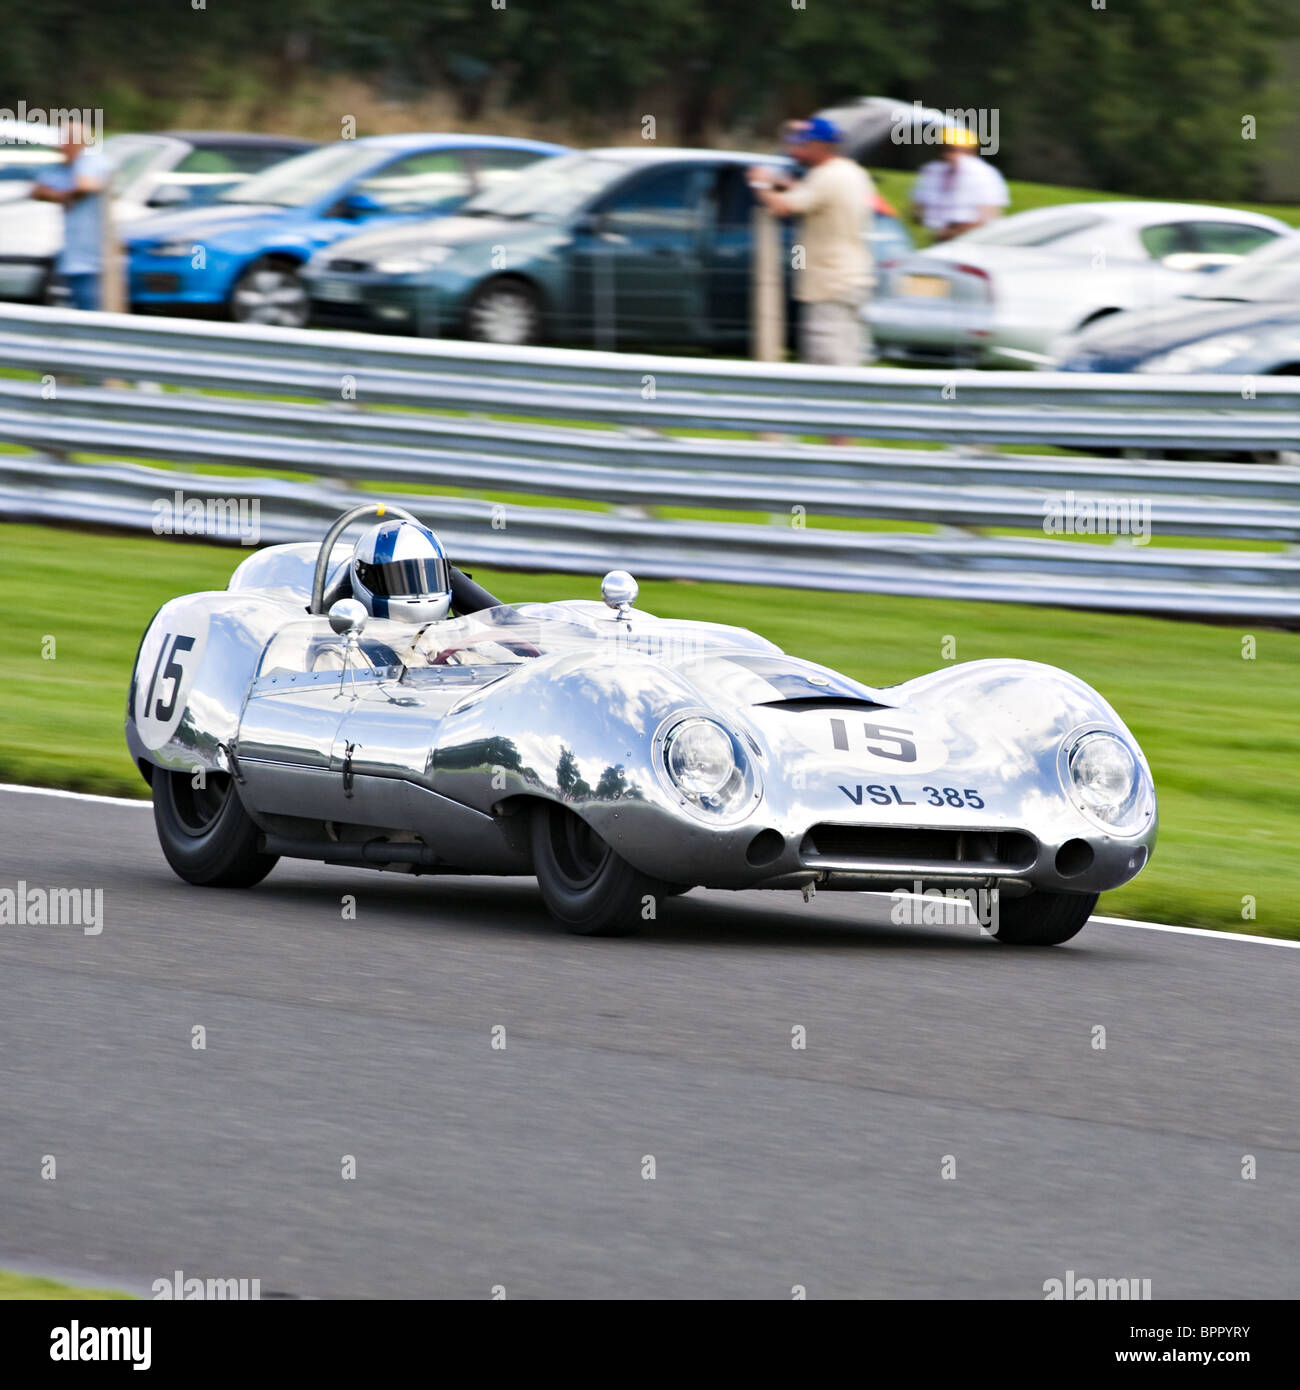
(170,657)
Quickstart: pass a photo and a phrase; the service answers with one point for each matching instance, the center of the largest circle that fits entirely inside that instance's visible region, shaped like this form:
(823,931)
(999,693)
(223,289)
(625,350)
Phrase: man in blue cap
(832,265)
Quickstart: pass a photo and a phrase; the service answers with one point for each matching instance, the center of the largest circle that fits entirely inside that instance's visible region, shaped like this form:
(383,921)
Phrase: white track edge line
(19,788)
(1194,931)
(1105,921)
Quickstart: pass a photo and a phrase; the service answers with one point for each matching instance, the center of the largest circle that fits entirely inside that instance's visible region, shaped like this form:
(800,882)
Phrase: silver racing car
(616,756)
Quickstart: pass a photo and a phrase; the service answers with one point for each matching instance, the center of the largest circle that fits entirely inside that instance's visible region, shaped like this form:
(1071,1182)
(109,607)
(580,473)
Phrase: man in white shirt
(833,276)
(958,192)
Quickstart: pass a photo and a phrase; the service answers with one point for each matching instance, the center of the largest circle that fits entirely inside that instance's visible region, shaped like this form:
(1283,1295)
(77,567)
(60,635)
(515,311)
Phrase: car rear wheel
(505,312)
(205,833)
(271,292)
(584,883)
(1043,919)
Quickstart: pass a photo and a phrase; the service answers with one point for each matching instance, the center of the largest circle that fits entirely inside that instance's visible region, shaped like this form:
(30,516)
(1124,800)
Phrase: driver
(400,570)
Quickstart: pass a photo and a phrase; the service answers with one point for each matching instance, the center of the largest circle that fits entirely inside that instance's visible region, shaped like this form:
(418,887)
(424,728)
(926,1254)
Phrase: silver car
(1003,294)
(618,757)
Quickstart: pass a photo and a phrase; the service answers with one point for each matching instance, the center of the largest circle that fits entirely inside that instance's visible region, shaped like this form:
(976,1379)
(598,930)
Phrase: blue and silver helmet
(400,570)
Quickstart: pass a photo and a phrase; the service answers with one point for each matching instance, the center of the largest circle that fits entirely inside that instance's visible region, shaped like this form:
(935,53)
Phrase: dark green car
(611,248)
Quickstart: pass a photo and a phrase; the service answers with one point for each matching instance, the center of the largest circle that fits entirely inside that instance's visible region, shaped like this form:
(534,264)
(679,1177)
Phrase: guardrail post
(767,291)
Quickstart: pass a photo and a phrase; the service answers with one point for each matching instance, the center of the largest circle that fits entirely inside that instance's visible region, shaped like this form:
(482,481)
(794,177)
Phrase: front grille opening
(870,844)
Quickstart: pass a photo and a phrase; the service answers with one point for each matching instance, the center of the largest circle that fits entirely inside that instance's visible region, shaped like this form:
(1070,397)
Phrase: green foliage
(1138,96)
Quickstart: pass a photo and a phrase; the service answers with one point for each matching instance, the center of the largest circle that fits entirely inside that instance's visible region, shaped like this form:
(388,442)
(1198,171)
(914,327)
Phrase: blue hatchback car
(240,255)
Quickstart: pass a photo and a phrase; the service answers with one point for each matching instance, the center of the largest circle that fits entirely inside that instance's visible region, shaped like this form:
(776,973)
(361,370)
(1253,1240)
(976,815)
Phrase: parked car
(1245,320)
(25,148)
(241,255)
(150,172)
(612,247)
(1003,294)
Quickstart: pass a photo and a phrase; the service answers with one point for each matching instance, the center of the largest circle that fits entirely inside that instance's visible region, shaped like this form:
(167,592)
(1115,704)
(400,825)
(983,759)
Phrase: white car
(26,147)
(150,173)
(1002,295)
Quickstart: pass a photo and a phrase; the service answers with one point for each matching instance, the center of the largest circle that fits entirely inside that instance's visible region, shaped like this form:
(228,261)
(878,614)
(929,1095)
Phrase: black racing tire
(585,884)
(270,291)
(205,833)
(505,311)
(1042,918)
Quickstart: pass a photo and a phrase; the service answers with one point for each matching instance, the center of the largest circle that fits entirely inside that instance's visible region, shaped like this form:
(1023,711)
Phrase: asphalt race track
(522,1167)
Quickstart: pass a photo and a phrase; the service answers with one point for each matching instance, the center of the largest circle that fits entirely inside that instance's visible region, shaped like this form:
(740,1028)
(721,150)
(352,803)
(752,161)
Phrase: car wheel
(584,883)
(270,292)
(1043,919)
(505,312)
(205,833)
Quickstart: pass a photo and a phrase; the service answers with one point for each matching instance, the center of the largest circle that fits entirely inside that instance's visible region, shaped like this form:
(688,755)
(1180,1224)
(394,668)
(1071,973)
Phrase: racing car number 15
(169,660)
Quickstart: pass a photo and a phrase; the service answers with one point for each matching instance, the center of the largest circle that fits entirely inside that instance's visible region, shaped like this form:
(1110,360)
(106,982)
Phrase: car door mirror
(589,224)
(357,205)
(168,195)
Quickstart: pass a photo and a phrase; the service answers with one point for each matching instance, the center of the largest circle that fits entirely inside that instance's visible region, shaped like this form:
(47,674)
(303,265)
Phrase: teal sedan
(612,248)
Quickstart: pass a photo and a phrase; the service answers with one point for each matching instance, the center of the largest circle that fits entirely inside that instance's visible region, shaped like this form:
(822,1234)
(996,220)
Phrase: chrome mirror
(619,590)
(348,617)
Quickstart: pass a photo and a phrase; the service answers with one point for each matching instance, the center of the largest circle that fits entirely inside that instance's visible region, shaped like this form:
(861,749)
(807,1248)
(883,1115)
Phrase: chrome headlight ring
(704,766)
(1106,779)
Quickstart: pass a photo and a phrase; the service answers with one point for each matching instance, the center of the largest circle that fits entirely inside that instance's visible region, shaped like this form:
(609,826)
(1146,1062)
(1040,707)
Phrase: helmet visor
(405,578)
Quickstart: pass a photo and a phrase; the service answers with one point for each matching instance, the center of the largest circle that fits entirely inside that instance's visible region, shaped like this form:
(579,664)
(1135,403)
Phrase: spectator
(833,202)
(958,192)
(78,185)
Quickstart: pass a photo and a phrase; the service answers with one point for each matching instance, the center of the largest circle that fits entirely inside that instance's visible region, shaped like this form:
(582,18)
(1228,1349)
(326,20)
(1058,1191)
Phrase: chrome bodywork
(430,743)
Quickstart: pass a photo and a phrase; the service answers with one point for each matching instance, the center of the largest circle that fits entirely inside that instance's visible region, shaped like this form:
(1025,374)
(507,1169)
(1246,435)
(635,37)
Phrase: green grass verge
(1221,732)
(29,1287)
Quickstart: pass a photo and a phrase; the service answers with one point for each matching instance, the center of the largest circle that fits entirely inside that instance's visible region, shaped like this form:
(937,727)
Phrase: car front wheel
(270,292)
(504,312)
(1042,918)
(205,833)
(584,883)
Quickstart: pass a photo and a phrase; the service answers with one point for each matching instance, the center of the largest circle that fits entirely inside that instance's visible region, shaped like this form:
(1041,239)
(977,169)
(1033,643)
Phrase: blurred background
(1138,96)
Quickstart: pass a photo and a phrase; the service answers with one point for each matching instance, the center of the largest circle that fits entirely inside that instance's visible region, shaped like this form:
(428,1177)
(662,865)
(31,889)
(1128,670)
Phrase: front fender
(191,676)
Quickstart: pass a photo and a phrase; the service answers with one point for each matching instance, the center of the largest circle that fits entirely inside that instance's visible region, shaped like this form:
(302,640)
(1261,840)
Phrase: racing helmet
(400,570)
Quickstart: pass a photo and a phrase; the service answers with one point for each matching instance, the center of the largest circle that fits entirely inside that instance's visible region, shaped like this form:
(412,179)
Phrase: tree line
(1159,97)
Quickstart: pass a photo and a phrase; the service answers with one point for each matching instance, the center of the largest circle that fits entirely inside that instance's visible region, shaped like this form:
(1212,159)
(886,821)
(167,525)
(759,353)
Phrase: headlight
(707,767)
(1107,783)
(412,262)
(700,758)
(172,248)
(1204,356)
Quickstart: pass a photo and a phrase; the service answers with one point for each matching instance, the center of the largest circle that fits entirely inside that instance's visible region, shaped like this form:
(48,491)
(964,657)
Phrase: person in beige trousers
(832,278)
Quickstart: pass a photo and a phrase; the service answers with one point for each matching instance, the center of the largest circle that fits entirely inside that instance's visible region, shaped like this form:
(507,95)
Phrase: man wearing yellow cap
(959,191)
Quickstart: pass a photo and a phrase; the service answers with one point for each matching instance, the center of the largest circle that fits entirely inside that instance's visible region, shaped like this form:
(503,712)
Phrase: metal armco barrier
(643,433)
